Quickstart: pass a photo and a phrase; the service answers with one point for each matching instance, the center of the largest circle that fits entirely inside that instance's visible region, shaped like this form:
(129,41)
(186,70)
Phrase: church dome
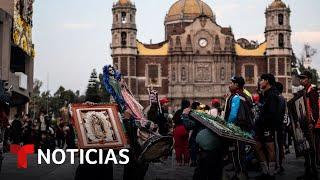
(188,10)
(277,4)
(123,2)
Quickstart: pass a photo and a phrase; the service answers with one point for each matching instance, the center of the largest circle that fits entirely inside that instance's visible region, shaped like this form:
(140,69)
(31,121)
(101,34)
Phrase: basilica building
(198,57)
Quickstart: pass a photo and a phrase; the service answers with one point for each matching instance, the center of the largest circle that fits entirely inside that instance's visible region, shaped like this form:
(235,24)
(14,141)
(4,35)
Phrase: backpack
(245,119)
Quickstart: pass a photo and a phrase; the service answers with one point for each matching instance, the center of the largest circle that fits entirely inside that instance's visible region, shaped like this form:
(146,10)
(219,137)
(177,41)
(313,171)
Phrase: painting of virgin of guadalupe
(298,115)
(98,126)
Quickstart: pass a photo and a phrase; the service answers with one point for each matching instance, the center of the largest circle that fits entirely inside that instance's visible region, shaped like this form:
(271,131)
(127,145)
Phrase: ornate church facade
(198,56)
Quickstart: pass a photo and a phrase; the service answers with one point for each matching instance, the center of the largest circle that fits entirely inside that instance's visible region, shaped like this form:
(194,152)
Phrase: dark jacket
(16,131)
(177,117)
(270,111)
(283,107)
(162,122)
(191,124)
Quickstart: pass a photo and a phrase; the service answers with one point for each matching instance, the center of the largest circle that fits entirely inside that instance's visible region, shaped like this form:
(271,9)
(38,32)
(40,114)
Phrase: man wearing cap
(312,118)
(238,112)
(265,126)
(234,104)
(216,109)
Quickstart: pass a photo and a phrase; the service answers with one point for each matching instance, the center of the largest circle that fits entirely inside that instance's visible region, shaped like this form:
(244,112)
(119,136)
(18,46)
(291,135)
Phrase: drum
(152,144)
(155,147)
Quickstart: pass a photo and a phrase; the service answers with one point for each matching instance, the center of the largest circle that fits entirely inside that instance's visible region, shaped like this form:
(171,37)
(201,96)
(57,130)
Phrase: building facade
(198,56)
(17,51)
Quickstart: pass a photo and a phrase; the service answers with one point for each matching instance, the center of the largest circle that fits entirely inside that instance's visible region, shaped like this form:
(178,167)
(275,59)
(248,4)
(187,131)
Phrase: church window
(281,40)
(123,38)
(153,76)
(117,19)
(272,66)
(249,74)
(123,17)
(131,18)
(228,43)
(280,19)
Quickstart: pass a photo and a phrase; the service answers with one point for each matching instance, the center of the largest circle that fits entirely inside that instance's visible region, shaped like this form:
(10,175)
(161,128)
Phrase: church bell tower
(124,46)
(279,48)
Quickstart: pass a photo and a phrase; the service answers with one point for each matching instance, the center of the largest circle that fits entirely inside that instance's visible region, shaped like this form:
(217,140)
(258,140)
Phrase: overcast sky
(72,37)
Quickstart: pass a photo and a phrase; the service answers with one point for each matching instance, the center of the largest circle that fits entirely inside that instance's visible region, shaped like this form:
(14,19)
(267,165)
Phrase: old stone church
(198,56)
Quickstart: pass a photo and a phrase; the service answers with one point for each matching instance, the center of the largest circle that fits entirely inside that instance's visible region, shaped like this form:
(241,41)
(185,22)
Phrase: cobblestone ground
(157,171)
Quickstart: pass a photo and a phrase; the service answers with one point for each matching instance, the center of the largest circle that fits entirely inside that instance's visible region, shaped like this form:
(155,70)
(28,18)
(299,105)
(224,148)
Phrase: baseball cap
(215,101)
(239,80)
(164,100)
(305,74)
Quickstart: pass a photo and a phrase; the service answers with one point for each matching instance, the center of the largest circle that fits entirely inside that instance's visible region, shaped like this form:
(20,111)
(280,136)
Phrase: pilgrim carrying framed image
(298,115)
(98,126)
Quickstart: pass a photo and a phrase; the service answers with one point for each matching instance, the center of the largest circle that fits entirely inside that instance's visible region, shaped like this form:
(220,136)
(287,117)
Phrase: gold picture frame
(98,126)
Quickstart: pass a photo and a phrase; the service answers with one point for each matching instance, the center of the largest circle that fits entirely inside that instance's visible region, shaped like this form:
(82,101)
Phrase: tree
(104,95)
(92,93)
(308,52)
(298,63)
(45,102)
(60,90)
(36,104)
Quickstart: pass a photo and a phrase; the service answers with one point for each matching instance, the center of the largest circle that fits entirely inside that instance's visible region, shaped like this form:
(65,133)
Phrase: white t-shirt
(213,112)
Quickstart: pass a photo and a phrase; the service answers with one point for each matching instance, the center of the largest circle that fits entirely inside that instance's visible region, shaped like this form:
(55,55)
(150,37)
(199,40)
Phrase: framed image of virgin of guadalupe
(98,126)
(298,114)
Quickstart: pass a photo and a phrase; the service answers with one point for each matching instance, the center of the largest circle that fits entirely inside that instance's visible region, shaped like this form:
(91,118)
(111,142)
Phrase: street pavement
(168,170)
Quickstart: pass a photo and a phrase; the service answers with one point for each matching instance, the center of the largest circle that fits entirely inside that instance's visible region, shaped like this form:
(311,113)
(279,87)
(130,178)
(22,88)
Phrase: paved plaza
(157,171)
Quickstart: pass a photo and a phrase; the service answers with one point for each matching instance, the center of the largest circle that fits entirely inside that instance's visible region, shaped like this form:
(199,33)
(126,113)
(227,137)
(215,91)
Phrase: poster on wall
(22,25)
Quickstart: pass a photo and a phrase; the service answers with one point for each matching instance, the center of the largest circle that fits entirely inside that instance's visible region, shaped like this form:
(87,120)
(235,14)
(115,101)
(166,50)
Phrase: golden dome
(278,4)
(188,10)
(124,2)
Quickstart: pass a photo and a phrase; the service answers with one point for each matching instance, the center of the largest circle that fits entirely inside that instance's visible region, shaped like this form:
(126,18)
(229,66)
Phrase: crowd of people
(263,113)
(43,132)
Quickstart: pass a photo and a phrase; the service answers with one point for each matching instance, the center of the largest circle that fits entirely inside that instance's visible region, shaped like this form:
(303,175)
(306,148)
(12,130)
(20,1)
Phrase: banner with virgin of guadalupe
(298,116)
(98,126)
